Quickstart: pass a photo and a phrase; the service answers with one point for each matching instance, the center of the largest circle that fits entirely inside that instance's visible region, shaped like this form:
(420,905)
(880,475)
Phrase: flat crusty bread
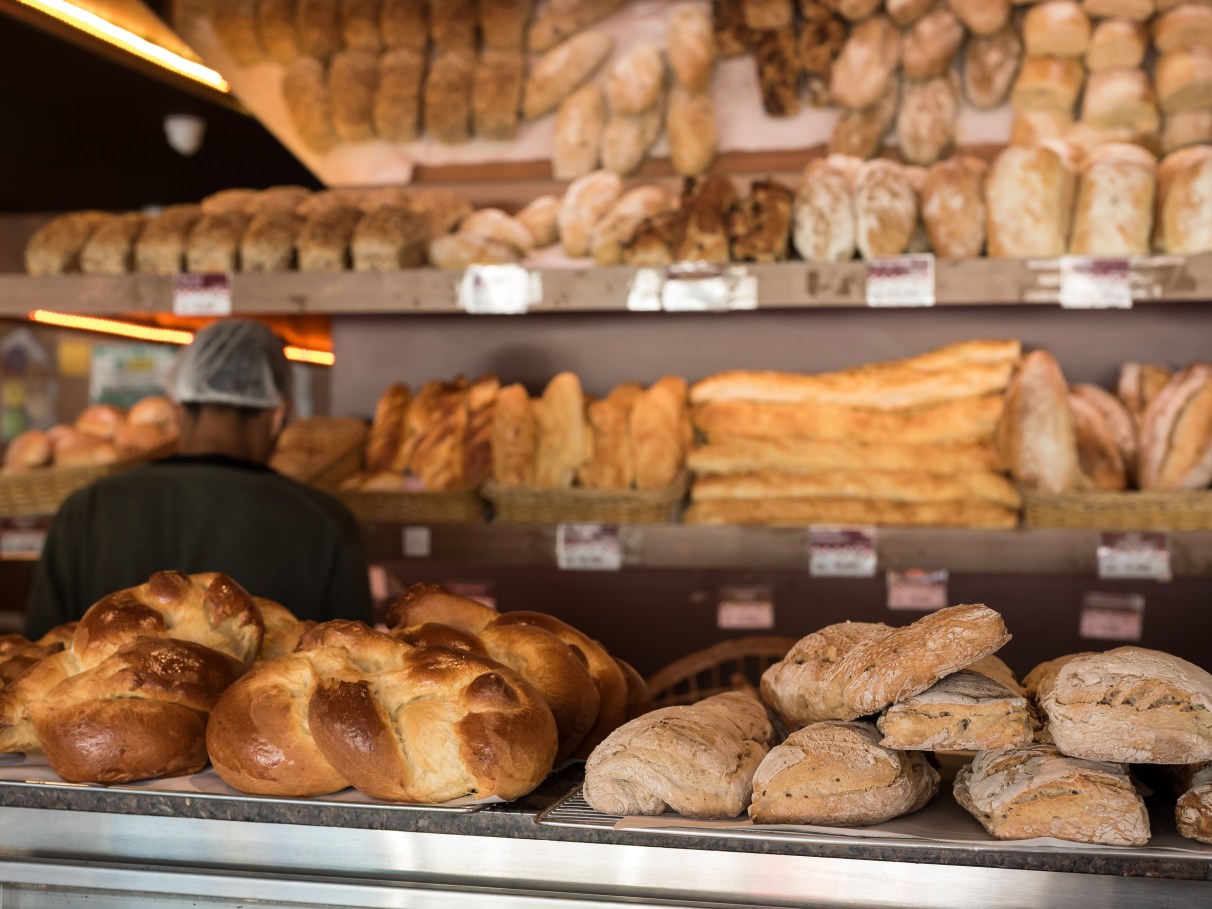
(697,759)
(1037,791)
(855,669)
(891,485)
(783,512)
(965,711)
(800,456)
(838,774)
(1131,705)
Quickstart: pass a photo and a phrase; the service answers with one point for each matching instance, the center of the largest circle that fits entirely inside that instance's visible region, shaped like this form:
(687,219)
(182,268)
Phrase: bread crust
(965,711)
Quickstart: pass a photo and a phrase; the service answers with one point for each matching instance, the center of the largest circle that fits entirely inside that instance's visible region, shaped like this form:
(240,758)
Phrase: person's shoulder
(312,499)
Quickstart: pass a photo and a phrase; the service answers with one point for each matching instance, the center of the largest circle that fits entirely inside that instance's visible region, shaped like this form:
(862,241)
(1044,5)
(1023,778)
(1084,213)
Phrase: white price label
(644,294)
(499,290)
(1112,616)
(707,287)
(589,547)
(417,543)
(917,590)
(18,542)
(1138,556)
(901,281)
(202,294)
(1089,282)
(745,608)
(841,552)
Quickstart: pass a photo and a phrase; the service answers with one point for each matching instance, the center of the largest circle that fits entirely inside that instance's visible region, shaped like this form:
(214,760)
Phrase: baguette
(561,70)
(513,438)
(561,433)
(886,485)
(783,512)
(580,122)
(1098,454)
(1139,384)
(612,464)
(561,20)
(658,430)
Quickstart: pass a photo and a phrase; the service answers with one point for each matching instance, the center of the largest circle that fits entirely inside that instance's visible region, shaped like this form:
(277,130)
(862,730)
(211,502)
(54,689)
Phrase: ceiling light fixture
(104,30)
(159,335)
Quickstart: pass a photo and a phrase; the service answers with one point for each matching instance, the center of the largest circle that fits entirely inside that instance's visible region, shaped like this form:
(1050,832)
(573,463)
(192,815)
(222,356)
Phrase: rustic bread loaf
(759,225)
(1029,202)
(556,22)
(560,448)
(965,711)
(982,17)
(1193,811)
(659,428)
(563,69)
(496,94)
(885,208)
(1048,83)
(448,93)
(585,203)
(1183,220)
(1176,433)
(1115,416)
(824,210)
(55,249)
(514,435)
(1059,28)
(580,121)
(309,102)
(1139,383)
(991,64)
(1116,44)
(397,102)
(1114,211)
(866,63)
(388,239)
(925,123)
(860,133)
(353,79)
(1036,435)
(503,23)
(1184,79)
(953,207)
(930,44)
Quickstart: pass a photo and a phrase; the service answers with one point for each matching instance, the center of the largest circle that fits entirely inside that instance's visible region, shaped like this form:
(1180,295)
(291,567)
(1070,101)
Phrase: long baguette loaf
(800,456)
(889,485)
(783,512)
(965,711)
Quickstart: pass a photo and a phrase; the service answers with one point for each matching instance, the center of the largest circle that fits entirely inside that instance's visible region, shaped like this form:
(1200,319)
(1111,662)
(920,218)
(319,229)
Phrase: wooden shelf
(790,285)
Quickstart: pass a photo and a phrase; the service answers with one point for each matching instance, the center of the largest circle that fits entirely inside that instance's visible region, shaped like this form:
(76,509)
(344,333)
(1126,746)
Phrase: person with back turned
(214,506)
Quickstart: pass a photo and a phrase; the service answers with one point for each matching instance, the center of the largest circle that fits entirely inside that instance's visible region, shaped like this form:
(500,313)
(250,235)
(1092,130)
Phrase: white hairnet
(237,362)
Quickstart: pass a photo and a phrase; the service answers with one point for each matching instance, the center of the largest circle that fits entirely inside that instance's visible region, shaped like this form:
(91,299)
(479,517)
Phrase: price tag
(1112,616)
(21,539)
(202,294)
(589,547)
(841,552)
(901,281)
(417,543)
(499,290)
(917,590)
(745,608)
(644,294)
(1089,282)
(707,287)
(1134,556)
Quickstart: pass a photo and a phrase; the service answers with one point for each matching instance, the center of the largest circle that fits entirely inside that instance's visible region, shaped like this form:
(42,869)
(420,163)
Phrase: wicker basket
(389,506)
(1119,510)
(551,506)
(735,665)
(322,451)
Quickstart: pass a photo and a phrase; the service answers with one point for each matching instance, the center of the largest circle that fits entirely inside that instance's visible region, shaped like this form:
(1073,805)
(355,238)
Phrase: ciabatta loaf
(1037,791)
(839,774)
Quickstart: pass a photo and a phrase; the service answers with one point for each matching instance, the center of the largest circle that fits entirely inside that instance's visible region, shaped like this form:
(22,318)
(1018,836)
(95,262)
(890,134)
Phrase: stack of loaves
(438,440)
(907,442)
(1155,434)
(634,438)
(101,434)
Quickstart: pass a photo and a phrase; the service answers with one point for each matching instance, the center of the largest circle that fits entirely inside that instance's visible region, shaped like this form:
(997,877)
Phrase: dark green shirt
(277,538)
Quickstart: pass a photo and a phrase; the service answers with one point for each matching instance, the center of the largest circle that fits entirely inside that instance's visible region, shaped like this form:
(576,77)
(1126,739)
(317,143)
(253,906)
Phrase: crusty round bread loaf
(100,420)
(855,669)
(837,774)
(30,449)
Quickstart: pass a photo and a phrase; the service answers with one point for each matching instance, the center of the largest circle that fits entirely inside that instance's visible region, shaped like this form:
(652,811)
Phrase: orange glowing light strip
(104,30)
(159,335)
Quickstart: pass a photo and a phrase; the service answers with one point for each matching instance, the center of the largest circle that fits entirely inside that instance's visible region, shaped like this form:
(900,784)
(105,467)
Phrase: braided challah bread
(356,707)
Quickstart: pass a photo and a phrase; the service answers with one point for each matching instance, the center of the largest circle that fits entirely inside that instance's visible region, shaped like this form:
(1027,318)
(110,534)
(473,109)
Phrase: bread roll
(353,77)
(110,249)
(404,25)
(704,233)
(866,64)
(214,243)
(1176,433)
(759,226)
(79,449)
(885,209)
(503,23)
(929,45)
(269,243)
(860,133)
(1035,127)
(586,201)
(324,241)
(1120,98)
(1115,417)
(774,54)
(318,27)
(983,17)
(30,449)
(360,25)
(1116,44)
(691,130)
(1047,83)
(1138,10)
(1029,199)
(965,711)
(1184,27)
(1139,384)
(837,774)
(562,69)
(1037,791)
(697,759)
(448,90)
(55,249)
(925,124)
(1184,80)
(1186,127)
(1098,455)
(557,21)
(1114,211)
(953,207)
(497,93)
(541,218)
(580,121)
(388,239)
(234,23)
(620,222)
(1184,187)
(275,30)
(824,210)
(397,104)
(1059,28)
(691,47)
(561,432)
(634,82)
(767,15)
(905,12)
(458,251)
(452,26)
(306,93)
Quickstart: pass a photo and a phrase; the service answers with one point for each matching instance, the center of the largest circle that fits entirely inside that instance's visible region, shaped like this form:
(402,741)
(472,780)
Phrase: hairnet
(237,362)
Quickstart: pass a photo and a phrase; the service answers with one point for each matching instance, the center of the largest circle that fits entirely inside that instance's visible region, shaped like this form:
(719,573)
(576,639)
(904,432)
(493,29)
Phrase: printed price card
(841,552)
(1112,616)
(417,543)
(917,590)
(1139,556)
(589,547)
(901,281)
(499,290)
(22,538)
(202,294)
(644,294)
(707,287)
(1088,282)
(745,608)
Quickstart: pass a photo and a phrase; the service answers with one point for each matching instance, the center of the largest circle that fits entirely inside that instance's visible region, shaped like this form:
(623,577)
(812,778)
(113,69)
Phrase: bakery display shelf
(960,550)
(134,849)
(788,285)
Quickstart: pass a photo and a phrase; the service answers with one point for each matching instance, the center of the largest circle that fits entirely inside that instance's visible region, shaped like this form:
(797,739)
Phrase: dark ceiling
(80,130)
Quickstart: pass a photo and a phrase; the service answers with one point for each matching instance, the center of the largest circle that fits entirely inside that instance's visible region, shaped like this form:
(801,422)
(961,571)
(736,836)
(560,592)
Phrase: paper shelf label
(1112,616)
(417,543)
(841,552)
(589,547)
(22,538)
(1095,282)
(1136,556)
(644,294)
(202,294)
(745,608)
(499,290)
(901,281)
(917,590)
(707,287)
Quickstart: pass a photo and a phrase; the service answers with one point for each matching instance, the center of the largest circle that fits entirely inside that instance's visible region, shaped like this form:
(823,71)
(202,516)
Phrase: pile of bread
(101,434)
(456,701)
(906,442)
(1155,433)
(869,704)
(401,69)
(634,438)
